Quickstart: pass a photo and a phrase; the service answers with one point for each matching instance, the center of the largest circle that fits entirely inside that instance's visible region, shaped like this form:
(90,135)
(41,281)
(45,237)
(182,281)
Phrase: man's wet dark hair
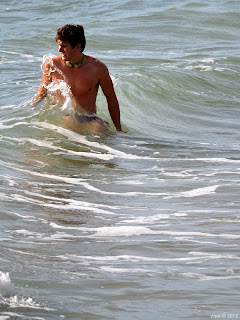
(73,33)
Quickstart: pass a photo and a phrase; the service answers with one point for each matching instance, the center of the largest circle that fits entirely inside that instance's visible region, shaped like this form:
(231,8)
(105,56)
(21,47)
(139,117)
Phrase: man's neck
(77,59)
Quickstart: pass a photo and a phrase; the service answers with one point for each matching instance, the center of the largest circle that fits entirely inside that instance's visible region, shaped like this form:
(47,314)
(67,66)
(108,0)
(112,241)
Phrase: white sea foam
(127,231)
(64,201)
(119,231)
(57,226)
(9,180)
(19,215)
(201,234)
(6,287)
(8,294)
(77,206)
(195,192)
(149,219)
(59,150)
(16,119)
(26,233)
(2,126)
(21,302)
(154,218)
(61,85)
(122,231)
(112,260)
(181,174)
(215,160)
(204,277)
(81,181)
(201,67)
(61,204)
(208,61)
(82,140)
(137,271)
(180,214)
(50,145)
(213,255)
(19,53)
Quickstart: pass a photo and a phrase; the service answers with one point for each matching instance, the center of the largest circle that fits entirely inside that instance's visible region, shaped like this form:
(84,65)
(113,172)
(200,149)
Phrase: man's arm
(42,91)
(109,92)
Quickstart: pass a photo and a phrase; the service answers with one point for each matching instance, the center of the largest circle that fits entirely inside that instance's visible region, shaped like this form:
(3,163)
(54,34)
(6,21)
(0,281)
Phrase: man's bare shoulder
(98,65)
(51,61)
(47,66)
(56,60)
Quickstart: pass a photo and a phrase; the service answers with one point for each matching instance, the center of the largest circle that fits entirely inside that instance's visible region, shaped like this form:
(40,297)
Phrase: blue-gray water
(137,225)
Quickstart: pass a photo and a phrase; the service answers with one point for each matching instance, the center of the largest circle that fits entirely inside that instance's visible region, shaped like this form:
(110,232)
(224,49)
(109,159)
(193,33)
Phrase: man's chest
(79,80)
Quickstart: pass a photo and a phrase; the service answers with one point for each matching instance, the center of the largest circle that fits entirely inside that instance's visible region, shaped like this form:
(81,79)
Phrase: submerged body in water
(72,115)
(83,74)
(87,122)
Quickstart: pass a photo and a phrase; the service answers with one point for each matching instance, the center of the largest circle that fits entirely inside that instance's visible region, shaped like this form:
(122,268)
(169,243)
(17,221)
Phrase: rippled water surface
(137,225)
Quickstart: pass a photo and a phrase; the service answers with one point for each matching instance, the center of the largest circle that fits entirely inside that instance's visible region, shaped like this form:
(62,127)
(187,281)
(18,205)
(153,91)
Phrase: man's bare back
(84,79)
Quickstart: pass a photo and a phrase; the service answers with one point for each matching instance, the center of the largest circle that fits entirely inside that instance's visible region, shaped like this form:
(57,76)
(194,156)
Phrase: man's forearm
(114,110)
(41,94)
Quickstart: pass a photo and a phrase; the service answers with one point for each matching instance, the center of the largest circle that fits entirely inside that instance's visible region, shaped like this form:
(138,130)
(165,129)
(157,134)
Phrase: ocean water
(137,225)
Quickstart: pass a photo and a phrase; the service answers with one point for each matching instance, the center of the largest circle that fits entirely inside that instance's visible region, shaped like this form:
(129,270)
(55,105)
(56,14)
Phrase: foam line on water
(154,218)
(59,150)
(8,295)
(138,271)
(16,119)
(194,192)
(204,277)
(129,231)
(6,287)
(215,160)
(61,205)
(66,201)
(11,106)
(143,259)
(71,204)
(212,255)
(81,139)
(47,144)
(79,181)
(2,126)
(18,53)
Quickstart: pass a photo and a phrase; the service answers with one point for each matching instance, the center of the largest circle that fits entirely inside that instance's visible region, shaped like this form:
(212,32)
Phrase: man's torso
(83,81)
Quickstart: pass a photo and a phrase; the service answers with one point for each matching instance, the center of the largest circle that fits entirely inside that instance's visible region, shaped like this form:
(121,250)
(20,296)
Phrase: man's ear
(79,46)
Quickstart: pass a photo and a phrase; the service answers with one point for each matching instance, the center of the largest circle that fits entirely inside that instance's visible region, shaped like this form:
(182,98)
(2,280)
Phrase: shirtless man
(84,74)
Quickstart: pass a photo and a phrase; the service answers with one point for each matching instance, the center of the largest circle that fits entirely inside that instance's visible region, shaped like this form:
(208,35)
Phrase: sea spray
(59,89)
(6,287)
(11,299)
